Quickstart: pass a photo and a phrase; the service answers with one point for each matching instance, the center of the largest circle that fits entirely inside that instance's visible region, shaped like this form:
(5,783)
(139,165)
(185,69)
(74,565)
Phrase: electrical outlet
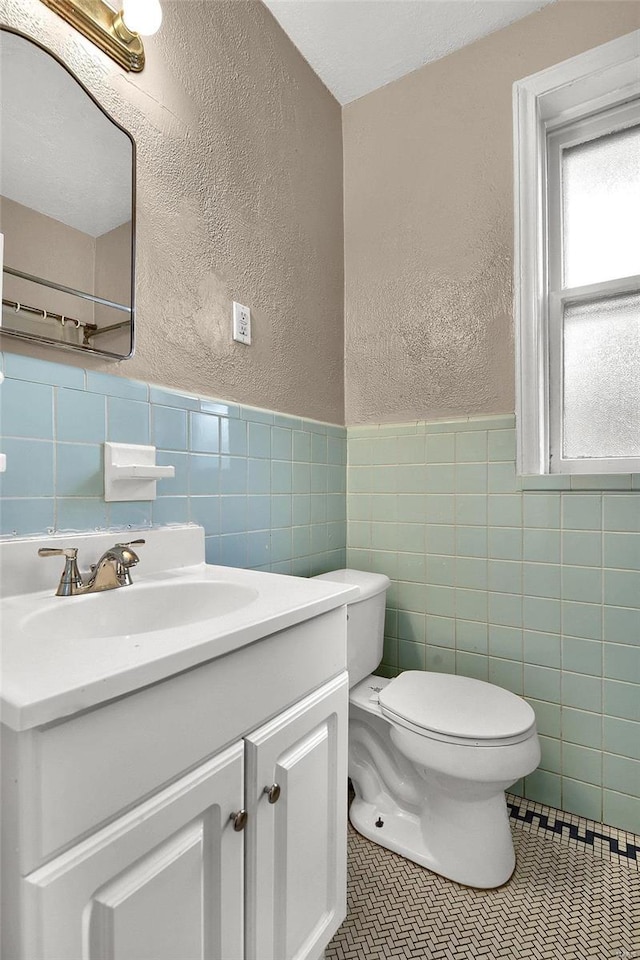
(241,323)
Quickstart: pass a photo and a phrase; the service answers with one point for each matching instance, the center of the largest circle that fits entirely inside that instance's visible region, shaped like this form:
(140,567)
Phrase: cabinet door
(296,847)
(163,882)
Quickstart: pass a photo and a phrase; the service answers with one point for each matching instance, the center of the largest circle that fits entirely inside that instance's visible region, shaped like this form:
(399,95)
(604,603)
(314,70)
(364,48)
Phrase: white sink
(61,655)
(140,608)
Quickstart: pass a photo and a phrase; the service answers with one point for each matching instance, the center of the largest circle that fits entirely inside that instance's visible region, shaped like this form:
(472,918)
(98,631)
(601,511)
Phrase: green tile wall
(531,584)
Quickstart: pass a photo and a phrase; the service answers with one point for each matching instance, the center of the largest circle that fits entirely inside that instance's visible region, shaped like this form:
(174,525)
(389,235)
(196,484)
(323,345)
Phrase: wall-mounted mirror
(67,182)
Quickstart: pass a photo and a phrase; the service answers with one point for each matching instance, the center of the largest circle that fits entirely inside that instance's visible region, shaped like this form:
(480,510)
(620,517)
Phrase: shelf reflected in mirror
(67,208)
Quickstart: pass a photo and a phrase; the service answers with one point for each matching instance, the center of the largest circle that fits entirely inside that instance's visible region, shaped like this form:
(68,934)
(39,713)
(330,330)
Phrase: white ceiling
(60,155)
(356,46)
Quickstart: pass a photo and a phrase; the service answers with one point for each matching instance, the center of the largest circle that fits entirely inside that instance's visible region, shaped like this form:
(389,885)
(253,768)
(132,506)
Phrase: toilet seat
(457,709)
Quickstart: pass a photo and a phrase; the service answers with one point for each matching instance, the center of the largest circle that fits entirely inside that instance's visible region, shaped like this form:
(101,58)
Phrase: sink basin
(61,655)
(143,608)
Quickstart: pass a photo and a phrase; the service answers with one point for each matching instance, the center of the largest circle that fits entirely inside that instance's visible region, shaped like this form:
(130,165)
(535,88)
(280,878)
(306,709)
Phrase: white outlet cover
(241,323)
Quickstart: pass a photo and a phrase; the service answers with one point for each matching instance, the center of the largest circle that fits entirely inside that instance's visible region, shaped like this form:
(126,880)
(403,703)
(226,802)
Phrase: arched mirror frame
(80,348)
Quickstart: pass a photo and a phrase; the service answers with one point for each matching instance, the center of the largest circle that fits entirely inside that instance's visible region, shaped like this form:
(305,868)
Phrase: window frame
(596,81)
(585,129)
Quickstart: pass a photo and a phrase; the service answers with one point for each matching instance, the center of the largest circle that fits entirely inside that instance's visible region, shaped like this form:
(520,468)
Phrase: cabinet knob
(273,792)
(239,820)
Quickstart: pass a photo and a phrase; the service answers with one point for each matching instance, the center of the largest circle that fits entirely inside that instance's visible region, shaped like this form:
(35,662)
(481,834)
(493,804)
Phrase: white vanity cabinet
(296,847)
(119,821)
(163,882)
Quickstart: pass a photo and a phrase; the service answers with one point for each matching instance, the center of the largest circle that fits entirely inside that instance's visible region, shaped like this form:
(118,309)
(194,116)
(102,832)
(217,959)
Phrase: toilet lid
(456,706)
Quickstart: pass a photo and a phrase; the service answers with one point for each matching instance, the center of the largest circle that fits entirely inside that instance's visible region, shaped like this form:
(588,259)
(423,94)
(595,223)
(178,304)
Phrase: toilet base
(465,854)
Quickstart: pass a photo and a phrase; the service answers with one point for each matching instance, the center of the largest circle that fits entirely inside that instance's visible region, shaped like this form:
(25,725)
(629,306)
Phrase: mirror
(66,208)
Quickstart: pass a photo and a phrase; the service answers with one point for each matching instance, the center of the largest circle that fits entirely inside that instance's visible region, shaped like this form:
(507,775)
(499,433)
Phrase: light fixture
(116,33)
(141,16)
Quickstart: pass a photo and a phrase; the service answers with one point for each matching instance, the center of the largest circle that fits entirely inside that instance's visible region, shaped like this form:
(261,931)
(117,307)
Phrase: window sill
(605,481)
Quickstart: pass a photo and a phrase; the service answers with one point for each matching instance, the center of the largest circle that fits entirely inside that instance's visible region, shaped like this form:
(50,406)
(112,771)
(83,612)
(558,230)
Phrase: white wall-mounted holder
(130,472)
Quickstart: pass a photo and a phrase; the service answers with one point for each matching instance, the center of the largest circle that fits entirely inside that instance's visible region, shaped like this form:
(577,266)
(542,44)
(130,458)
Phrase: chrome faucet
(110,572)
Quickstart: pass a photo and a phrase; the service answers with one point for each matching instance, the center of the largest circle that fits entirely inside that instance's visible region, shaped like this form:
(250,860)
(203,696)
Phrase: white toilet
(431,754)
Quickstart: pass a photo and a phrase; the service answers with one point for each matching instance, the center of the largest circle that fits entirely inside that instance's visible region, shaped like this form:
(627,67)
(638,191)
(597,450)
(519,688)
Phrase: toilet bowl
(430,755)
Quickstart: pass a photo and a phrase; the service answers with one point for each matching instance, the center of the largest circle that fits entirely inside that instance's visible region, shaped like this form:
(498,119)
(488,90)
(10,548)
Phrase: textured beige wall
(239,197)
(45,247)
(111,276)
(112,282)
(429,221)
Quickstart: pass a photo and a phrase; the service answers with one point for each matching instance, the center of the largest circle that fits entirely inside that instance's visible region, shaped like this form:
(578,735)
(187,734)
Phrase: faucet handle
(126,559)
(70,580)
(69,552)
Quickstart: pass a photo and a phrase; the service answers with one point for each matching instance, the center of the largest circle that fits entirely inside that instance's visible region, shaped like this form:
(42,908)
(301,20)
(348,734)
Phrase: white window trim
(616,118)
(599,78)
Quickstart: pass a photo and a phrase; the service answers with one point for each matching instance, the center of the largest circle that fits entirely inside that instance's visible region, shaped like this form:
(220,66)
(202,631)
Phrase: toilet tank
(365,626)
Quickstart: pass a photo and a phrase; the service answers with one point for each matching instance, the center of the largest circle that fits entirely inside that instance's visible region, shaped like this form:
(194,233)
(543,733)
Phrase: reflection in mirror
(66,208)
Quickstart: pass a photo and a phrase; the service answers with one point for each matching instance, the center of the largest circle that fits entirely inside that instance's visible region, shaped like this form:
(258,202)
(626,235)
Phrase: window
(577,281)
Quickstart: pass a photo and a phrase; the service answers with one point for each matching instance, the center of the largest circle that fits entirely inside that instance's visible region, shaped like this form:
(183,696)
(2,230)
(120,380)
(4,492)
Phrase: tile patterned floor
(575,895)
